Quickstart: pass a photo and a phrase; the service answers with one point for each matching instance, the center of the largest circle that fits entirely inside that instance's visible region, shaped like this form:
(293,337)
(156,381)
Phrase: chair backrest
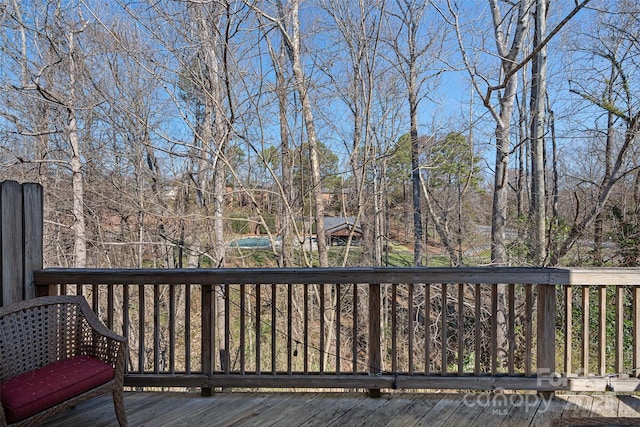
(39,331)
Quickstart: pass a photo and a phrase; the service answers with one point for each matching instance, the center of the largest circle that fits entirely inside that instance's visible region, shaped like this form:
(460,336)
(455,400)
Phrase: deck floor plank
(251,409)
(195,407)
(99,412)
(151,411)
(331,409)
(277,415)
(421,404)
(393,409)
(548,411)
(578,406)
(384,408)
(628,405)
(602,406)
(515,409)
(236,409)
(441,411)
(466,413)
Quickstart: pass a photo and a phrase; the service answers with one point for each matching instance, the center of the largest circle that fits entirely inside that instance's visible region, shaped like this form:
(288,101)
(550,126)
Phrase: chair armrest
(104,344)
(97,325)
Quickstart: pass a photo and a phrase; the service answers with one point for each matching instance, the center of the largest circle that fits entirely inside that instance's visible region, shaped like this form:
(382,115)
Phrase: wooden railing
(369,328)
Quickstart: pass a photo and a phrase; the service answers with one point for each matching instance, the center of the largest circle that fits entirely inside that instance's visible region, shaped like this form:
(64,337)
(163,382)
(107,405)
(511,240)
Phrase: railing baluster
(125,317)
(338,325)
(187,329)
(585,331)
(207,348)
(410,325)
(156,329)
(322,349)
(218,320)
(306,327)
(602,330)
(225,354)
(443,330)
(394,327)
(427,328)
(243,334)
(619,335)
(110,309)
(568,330)
(494,328)
(290,329)
(478,330)
(636,331)
(355,331)
(141,328)
(258,327)
(273,328)
(95,298)
(460,329)
(172,329)
(375,356)
(511,291)
(528,328)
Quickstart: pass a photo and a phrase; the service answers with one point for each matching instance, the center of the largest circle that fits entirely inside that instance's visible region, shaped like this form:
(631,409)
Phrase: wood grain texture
(346,409)
(33,220)
(11,247)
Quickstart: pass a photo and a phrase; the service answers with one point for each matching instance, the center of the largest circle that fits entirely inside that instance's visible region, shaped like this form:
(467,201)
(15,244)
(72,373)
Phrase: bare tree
(358,48)
(538,96)
(287,22)
(451,173)
(414,61)
(615,45)
(57,76)
(510,32)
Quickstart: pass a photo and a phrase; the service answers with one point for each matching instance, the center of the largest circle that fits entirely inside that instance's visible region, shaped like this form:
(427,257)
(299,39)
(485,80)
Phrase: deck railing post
(375,357)
(546,346)
(636,331)
(206,337)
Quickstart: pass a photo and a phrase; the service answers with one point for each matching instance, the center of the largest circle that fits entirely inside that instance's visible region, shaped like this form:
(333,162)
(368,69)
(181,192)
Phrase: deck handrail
(407,314)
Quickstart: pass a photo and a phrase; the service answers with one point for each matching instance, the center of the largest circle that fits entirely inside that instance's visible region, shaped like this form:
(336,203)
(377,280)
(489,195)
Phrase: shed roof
(335,224)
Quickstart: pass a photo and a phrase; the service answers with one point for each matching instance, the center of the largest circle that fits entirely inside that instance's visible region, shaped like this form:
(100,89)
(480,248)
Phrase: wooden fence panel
(21,225)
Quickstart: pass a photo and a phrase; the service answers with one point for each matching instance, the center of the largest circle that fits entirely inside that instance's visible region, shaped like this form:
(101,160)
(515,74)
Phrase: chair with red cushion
(54,354)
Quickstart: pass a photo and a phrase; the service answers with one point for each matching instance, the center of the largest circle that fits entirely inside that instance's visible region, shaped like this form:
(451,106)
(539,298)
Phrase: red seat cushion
(37,390)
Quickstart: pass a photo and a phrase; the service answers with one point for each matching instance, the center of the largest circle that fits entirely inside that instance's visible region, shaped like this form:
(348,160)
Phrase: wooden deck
(156,409)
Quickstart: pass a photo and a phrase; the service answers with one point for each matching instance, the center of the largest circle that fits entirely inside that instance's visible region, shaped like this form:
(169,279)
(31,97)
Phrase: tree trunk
(501,187)
(292,42)
(555,197)
(522,186)
(79,228)
(499,256)
(286,252)
(215,134)
(415,177)
(538,91)
(598,225)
